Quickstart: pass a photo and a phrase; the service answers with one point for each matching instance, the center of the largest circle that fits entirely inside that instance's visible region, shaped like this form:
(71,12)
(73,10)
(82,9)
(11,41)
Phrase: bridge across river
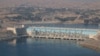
(61,33)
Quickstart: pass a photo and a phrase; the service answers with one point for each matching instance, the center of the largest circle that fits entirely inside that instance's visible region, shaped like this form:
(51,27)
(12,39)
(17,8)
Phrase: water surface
(44,47)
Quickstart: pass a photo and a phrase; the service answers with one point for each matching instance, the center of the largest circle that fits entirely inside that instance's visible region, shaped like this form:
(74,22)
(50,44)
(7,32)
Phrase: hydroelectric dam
(61,33)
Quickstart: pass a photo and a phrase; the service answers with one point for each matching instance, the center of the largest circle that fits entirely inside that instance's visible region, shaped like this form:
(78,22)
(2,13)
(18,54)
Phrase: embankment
(92,44)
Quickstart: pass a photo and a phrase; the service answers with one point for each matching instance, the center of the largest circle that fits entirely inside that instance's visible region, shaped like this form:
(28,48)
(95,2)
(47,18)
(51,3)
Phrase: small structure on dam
(18,30)
(61,33)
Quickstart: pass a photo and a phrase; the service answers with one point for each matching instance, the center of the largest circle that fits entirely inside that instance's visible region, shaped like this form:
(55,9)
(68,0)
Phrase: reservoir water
(44,47)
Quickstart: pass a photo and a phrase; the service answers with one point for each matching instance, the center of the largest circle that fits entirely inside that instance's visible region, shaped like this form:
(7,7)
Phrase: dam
(61,33)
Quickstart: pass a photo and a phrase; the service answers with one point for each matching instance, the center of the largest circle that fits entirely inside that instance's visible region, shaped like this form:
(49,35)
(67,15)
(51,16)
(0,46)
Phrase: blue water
(44,47)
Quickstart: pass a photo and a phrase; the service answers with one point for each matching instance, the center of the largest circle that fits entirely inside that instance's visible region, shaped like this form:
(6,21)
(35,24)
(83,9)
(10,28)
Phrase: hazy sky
(50,3)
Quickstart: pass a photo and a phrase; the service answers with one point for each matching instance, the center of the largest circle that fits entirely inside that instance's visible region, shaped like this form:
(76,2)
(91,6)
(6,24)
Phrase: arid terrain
(52,3)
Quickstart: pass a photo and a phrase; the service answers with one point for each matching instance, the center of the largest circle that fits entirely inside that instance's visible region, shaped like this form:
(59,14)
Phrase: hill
(52,3)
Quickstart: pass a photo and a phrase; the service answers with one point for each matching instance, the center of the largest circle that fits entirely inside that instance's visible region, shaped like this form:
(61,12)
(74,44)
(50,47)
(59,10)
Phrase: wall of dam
(61,33)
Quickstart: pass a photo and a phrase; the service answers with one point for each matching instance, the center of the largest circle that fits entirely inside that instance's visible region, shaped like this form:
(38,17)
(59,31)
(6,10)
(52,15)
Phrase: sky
(51,3)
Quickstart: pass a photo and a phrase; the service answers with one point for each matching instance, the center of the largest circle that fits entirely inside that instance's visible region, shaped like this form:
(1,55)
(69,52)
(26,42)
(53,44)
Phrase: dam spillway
(61,33)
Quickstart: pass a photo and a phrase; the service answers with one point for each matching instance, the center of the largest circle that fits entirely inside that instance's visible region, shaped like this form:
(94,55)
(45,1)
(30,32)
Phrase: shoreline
(91,44)
(11,38)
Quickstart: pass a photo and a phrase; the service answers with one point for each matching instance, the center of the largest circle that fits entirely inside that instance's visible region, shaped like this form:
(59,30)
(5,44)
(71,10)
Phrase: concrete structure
(61,33)
(13,29)
(93,36)
(17,30)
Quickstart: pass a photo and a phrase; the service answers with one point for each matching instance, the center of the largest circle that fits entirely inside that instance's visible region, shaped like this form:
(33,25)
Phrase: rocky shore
(91,44)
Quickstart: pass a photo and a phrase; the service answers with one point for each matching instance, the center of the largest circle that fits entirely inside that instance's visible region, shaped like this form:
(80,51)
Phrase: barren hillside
(52,3)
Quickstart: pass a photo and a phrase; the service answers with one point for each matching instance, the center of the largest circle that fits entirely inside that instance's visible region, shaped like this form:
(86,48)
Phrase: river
(44,47)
